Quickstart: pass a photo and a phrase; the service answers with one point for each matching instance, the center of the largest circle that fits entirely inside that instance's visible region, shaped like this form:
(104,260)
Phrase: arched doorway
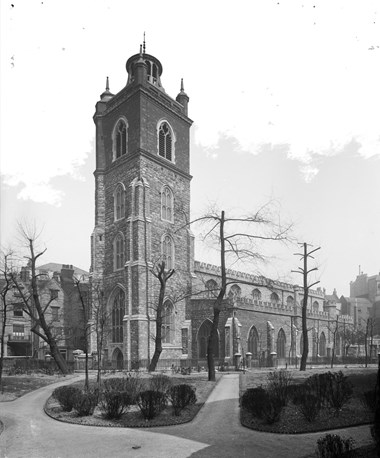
(117,359)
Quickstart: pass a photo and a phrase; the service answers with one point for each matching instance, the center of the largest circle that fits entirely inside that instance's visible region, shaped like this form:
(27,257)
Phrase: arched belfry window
(165,141)
(119,202)
(117,316)
(167,328)
(168,251)
(167,204)
(119,252)
(120,136)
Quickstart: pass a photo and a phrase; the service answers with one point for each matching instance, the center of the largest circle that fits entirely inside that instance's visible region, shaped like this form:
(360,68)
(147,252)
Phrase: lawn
(133,417)
(16,386)
(291,419)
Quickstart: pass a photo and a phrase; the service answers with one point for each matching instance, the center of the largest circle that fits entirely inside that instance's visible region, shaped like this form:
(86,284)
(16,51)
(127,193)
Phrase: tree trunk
(305,342)
(305,350)
(158,341)
(4,322)
(213,337)
(163,276)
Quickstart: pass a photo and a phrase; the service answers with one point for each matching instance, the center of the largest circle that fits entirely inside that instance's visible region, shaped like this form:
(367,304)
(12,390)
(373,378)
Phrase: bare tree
(306,287)
(6,285)
(100,324)
(163,275)
(238,240)
(86,324)
(368,335)
(30,298)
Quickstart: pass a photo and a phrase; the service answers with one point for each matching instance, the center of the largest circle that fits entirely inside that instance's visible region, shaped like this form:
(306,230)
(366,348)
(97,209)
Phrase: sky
(284,96)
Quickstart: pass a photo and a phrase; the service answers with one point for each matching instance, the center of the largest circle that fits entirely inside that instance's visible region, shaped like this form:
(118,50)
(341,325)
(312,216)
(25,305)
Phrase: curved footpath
(215,432)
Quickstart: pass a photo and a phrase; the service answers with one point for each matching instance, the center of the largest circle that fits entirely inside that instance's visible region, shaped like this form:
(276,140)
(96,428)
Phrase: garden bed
(292,421)
(133,417)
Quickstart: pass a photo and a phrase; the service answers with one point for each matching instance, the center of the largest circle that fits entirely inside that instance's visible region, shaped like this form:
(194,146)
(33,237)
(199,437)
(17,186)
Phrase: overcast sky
(284,95)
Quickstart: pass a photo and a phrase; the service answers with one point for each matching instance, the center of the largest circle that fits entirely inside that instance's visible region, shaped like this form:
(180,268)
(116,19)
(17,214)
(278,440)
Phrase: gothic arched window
(120,139)
(290,300)
(274,298)
(315,307)
(253,342)
(235,292)
(168,251)
(165,141)
(322,345)
(211,289)
(256,294)
(281,341)
(167,204)
(167,328)
(203,334)
(119,250)
(119,202)
(117,316)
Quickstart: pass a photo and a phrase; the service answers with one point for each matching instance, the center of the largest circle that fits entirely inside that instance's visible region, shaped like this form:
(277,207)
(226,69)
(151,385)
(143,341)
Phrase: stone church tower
(142,205)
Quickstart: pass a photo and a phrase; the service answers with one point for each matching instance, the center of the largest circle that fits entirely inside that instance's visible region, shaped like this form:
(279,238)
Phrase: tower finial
(182,90)
(144,44)
(107,84)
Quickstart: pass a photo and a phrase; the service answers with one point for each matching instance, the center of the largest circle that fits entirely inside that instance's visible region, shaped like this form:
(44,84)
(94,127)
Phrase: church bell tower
(142,205)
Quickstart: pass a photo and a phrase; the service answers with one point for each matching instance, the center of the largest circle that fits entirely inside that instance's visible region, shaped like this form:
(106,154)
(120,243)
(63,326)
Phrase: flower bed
(133,417)
(292,421)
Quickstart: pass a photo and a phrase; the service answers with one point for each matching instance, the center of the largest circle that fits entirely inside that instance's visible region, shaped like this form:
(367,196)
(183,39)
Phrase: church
(142,207)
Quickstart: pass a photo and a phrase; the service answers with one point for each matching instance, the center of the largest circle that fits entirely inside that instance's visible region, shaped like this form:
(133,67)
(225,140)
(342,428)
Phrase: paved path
(215,432)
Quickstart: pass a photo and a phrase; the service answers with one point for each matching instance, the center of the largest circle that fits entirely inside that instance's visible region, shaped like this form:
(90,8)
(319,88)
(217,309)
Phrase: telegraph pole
(305,255)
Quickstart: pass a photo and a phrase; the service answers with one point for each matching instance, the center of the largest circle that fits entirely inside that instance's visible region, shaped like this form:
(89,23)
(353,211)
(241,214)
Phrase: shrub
(319,385)
(278,384)
(131,384)
(309,405)
(333,446)
(160,382)
(296,393)
(151,403)
(114,403)
(262,404)
(253,401)
(181,396)
(368,399)
(85,402)
(272,408)
(65,395)
(332,389)
(340,391)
